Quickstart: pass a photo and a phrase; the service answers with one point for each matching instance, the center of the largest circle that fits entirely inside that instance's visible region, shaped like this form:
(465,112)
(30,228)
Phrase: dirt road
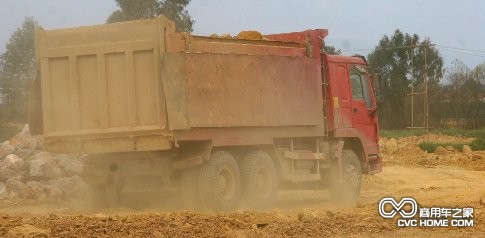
(296,213)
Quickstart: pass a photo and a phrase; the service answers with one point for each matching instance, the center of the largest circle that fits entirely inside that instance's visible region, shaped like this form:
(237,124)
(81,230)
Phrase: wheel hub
(264,182)
(352,176)
(226,184)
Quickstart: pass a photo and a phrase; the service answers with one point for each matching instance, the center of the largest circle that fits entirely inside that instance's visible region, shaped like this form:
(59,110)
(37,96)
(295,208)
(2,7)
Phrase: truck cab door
(341,101)
(364,116)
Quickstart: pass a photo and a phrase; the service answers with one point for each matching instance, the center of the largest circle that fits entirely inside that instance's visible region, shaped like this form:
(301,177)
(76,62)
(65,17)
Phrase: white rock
(41,155)
(24,140)
(54,192)
(43,166)
(66,187)
(71,165)
(440,151)
(391,146)
(23,153)
(450,148)
(25,130)
(15,187)
(6,174)
(13,162)
(6,149)
(467,149)
(37,188)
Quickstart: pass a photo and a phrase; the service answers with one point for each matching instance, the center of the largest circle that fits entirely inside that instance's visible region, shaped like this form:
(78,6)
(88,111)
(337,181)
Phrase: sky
(352,24)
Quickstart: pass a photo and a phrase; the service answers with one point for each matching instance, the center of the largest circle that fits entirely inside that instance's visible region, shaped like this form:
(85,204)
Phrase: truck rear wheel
(220,182)
(348,189)
(259,181)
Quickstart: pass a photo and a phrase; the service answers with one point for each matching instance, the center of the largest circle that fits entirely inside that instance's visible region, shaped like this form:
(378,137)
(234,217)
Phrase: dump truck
(225,120)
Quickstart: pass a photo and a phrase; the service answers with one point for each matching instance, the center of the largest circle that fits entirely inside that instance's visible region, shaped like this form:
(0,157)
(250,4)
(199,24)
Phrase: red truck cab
(353,108)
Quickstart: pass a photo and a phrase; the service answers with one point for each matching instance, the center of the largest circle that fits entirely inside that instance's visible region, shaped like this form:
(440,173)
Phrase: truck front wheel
(220,182)
(347,190)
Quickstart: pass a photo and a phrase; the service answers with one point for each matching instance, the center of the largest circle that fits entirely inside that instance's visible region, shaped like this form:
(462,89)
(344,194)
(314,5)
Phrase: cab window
(360,86)
(356,84)
(365,90)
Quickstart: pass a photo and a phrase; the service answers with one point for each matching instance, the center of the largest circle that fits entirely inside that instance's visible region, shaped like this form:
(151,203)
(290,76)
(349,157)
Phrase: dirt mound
(405,151)
(410,143)
(356,222)
(249,35)
(303,223)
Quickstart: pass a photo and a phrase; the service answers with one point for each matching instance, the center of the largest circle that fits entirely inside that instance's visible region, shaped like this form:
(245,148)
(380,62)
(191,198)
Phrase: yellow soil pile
(250,35)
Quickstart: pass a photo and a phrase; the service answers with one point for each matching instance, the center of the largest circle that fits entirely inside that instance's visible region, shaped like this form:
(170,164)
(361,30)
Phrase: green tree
(141,9)
(462,99)
(398,64)
(331,50)
(18,69)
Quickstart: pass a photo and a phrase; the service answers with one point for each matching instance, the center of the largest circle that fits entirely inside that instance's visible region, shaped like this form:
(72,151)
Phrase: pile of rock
(29,172)
(400,147)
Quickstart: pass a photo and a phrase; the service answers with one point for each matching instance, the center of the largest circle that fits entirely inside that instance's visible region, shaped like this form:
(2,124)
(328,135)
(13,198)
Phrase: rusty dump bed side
(138,86)
(232,84)
(237,92)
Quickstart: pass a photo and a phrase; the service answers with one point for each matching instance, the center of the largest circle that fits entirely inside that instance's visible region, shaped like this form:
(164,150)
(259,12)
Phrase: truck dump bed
(133,86)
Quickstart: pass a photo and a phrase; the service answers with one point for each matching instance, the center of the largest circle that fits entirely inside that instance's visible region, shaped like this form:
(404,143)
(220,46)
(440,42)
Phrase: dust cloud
(452,179)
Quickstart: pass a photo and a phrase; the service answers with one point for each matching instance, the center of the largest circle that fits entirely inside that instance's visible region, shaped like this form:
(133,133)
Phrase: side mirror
(380,99)
(378,88)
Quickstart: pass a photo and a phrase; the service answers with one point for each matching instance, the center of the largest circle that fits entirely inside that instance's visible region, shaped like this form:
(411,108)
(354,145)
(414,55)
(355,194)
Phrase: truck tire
(348,190)
(259,180)
(220,182)
(189,188)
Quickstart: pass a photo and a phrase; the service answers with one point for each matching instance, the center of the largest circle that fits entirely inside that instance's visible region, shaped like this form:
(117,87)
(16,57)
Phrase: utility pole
(424,93)
(426,97)
(412,87)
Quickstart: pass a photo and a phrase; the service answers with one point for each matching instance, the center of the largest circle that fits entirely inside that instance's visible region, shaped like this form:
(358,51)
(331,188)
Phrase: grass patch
(431,146)
(479,134)
(478,144)
(401,133)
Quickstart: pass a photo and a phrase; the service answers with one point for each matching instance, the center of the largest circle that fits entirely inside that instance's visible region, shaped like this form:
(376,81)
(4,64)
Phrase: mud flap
(375,164)
(194,154)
